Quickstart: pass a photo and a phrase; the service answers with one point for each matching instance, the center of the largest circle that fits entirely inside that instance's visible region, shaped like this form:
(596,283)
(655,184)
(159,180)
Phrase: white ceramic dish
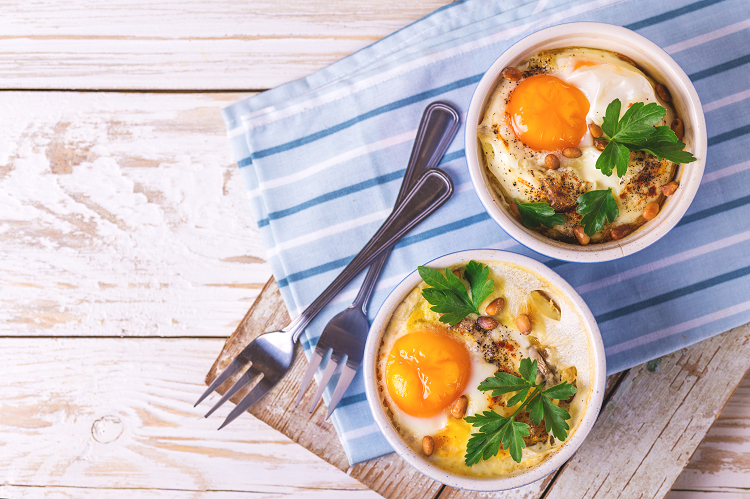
(518,479)
(660,66)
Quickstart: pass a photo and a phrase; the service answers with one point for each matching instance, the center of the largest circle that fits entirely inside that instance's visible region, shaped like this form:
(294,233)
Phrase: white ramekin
(380,324)
(660,66)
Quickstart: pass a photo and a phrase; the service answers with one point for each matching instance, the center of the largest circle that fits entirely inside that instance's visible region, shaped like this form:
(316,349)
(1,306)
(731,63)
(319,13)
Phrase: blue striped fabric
(323,157)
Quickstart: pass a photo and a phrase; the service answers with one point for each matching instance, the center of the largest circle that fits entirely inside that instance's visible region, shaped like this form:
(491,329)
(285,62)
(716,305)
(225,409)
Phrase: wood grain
(721,464)
(689,388)
(187,45)
(87,417)
(123,215)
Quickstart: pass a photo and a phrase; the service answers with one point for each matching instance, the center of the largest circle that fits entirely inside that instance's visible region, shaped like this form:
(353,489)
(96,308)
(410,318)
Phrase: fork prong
(232,368)
(237,386)
(317,356)
(252,397)
(327,374)
(347,374)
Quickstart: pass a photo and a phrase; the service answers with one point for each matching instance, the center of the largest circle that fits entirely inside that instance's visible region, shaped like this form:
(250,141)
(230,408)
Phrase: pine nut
(486,323)
(495,306)
(663,93)
(428,445)
(595,130)
(668,189)
(457,273)
(625,58)
(581,235)
(458,410)
(650,211)
(511,74)
(552,161)
(600,144)
(620,231)
(523,323)
(571,152)
(678,128)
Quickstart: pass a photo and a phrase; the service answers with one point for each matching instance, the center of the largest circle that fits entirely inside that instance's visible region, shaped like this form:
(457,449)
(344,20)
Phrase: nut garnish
(670,188)
(495,306)
(523,323)
(552,161)
(678,128)
(428,445)
(620,231)
(511,74)
(651,210)
(663,93)
(486,323)
(595,130)
(571,152)
(458,410)
(581,235)
(600,144)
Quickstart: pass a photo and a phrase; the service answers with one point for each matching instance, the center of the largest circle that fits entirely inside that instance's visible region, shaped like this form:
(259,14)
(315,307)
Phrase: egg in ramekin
(537,140)
(424,367)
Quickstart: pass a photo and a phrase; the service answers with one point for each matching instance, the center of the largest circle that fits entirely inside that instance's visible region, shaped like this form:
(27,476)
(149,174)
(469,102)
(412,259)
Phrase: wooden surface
(127,252)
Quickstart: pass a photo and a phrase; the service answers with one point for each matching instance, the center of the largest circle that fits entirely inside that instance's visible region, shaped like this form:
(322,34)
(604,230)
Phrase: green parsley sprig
(637,131)
(495,429)
(534,215)
(597,207)
(448,294)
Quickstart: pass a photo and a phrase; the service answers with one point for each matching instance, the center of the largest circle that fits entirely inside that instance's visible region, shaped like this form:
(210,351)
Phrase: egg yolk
(547,114)
(426,371)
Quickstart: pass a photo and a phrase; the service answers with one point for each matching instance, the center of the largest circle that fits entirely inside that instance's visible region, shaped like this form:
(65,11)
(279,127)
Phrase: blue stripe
(731,134)
(672,14)
(452,156)
(443,229)
(715,210)
(673,295)
(342,262)
(345,191)
(245,162)
(428,94)
(353,399)
(734,63)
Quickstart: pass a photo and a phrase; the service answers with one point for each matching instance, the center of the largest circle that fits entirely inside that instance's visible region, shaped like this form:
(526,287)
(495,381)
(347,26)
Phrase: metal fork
(271,354)
(345,334)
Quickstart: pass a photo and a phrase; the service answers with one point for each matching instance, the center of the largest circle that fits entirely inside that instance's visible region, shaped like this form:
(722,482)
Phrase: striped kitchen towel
(323,159)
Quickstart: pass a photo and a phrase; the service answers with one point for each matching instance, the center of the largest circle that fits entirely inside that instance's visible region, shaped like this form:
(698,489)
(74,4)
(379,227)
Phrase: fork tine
(252,397)
(344,381)
(232,368)
(237,386)
(327,375)
(311,368)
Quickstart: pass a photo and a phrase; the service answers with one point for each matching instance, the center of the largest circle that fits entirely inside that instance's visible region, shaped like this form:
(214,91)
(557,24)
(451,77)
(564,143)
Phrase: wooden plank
(91,417)
(51,492)
(389,476)
(178,44)
(721,464)
(123,215)
(655,421)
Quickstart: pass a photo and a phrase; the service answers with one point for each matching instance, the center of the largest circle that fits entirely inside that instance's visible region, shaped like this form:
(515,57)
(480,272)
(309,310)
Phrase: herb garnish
(448,293)
(535,215)
(596,206)
(637,131)
(495,429)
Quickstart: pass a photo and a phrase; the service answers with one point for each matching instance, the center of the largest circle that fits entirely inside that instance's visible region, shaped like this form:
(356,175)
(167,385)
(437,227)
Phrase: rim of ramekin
(517,479)
(660,66)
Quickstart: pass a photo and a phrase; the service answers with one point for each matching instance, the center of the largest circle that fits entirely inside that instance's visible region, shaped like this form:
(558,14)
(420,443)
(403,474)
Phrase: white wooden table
(127,252)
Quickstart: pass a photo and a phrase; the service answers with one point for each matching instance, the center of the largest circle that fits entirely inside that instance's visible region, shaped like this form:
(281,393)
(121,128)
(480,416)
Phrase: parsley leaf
(480,283)
(448,295)
(534,215)
(637,131)
(495,429)
(596,207)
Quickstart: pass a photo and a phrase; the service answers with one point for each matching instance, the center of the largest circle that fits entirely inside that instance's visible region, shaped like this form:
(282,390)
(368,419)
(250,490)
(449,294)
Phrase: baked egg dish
(541,137)
(430,374)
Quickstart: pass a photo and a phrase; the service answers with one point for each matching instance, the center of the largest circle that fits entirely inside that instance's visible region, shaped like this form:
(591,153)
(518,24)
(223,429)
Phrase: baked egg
(546,106)
(425,367)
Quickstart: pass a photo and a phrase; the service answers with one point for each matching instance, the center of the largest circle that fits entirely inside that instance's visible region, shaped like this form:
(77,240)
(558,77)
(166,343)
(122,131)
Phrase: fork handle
(431,190)
(436,131)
